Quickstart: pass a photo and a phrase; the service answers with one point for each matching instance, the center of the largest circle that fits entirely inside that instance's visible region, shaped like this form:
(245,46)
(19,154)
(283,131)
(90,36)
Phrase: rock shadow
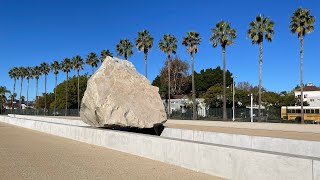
(156,130)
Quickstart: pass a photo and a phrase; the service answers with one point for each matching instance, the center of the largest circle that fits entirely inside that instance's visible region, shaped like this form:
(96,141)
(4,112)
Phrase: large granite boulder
(117,95)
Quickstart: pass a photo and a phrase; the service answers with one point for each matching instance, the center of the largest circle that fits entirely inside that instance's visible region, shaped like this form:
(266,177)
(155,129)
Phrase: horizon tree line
(302,23)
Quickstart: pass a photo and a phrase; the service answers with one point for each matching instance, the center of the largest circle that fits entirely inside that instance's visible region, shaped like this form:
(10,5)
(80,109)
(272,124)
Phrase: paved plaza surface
(27,154)
(254,132)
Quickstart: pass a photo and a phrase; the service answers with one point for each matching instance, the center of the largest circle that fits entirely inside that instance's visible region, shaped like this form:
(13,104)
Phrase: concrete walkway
(27,154)
(310,132)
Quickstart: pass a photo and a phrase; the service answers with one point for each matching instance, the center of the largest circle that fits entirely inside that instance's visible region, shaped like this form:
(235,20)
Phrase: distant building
(311,94)
(181,102)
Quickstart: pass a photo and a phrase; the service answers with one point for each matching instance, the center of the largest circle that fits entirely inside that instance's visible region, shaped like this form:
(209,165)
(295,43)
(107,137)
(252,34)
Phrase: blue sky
(35,31)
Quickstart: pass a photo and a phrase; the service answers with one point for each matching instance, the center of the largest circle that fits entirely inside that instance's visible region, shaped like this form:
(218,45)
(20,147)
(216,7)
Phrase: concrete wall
(223,161)
(311,128)
(281,145)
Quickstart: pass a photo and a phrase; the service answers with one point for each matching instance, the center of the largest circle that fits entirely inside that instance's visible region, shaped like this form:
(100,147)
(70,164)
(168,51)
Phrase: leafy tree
(124,48)
(270,99)
(224,35)
(72,102)
(287,98)
(14,74)
(43,103)
(45,69)
(55,67)
(191,41)
(3,98)
(302,22)
(168,45)
(261,28)
(66,66)
(210,77)
(78,65)
(104,54)
(179,74)
(144,42)
(214,97)
(245,86)
(92,60)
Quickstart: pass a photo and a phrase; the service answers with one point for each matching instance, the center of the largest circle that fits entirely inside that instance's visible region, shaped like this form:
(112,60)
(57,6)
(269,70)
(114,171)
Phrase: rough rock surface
(117,95)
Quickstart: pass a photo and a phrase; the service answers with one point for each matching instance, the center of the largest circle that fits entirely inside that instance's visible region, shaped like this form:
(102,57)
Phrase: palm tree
(191,41)
(224,35)
(104,54)
(125,48)
(261,28)
(45,69)
(12,97)
(13,74)
(3,98)
(78,65)
(168,45)
(22,74)
(301,23)
(55,67)
(29,76)
(36,73)
(92,60)
(66,66)
(144,42)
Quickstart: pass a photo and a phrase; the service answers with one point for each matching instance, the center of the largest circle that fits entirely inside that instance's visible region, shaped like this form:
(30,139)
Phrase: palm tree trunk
(12,98)
(194,116)
(92,69)
(55,96)
(37,97)
(45,94)
(65,113)
(301,78)
(169,110)
(224,84)
(125,56)
(145,64)
(28,95)
(21,91)
(78,93)
(260,81)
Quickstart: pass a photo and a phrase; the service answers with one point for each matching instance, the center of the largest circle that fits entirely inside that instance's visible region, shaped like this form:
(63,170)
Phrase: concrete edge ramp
(265,143)
(218,160)
(52,119)
(310,128)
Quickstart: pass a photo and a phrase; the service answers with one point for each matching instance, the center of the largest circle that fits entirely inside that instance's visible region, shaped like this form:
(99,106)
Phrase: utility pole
(251,111)
(233,103)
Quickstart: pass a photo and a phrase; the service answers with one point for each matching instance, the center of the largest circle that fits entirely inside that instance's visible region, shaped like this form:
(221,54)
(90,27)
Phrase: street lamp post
(233,93)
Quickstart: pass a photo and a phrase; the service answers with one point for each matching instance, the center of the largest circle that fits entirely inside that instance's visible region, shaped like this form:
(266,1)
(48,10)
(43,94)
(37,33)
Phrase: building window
(317,111)
(305,95)
(299,96)
(311,100)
